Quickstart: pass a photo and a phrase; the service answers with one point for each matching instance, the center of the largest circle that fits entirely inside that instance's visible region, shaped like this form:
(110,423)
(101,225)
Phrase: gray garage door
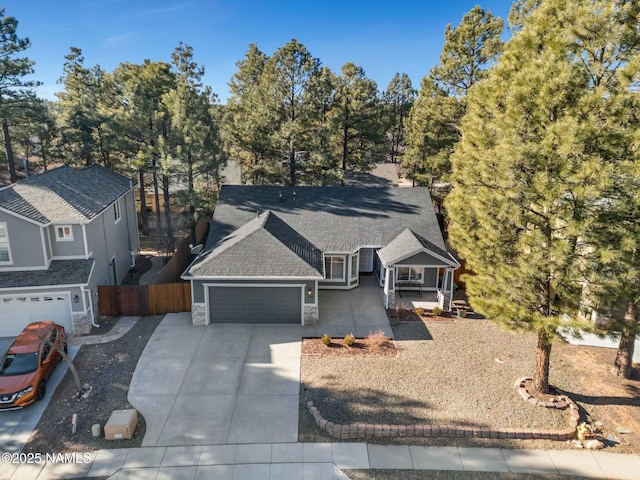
(255,304)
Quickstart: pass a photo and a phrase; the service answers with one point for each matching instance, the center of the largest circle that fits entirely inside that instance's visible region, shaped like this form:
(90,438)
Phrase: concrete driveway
(219,384)
(358,311)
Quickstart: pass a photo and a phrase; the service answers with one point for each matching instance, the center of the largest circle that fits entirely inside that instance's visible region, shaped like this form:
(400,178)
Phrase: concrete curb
(119,329)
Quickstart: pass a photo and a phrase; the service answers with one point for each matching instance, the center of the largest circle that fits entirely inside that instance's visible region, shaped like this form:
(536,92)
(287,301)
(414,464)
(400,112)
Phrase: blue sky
(383,37)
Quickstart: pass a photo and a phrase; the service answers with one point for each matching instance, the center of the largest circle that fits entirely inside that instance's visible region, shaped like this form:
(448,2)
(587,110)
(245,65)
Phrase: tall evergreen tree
(15,89)
(533,165)
(434,121)
(398,100)
(355,117)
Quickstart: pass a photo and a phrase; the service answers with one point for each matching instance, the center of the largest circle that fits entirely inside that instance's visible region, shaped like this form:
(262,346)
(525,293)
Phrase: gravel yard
(463,373)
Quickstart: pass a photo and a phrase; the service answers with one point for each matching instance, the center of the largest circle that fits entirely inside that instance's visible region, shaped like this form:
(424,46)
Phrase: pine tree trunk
(543,355)
(624,356)
(7,145)
(292,165)
(156,195)
(143,203)
(167,212)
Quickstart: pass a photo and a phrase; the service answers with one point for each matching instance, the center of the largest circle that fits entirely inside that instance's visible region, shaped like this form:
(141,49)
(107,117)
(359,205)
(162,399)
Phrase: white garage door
(17,311)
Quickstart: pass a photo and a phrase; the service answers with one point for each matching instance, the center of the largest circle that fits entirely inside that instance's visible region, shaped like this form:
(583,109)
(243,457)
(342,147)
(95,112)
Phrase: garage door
(17,311)
(255,304)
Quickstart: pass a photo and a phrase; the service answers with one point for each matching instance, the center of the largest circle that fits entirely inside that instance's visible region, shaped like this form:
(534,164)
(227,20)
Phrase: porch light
(76,299)
(309,292)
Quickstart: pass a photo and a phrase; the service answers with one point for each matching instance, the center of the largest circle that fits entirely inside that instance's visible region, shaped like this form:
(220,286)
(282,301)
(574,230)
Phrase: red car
(29,363)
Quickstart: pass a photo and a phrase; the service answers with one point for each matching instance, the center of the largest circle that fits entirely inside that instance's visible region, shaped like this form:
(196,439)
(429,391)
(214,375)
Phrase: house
(62,233)
(270,249)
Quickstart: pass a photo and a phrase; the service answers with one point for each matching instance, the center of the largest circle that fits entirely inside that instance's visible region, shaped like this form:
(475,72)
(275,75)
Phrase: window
(5,252)
(409,274)
(116,211)
(64,233)
(334,268)
(354,266)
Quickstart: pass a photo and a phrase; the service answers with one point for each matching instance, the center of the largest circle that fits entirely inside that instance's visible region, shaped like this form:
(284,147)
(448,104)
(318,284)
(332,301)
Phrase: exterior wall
(67,248)
(25,244)
(343,284)
(131,217)
(107,238)
(421,258)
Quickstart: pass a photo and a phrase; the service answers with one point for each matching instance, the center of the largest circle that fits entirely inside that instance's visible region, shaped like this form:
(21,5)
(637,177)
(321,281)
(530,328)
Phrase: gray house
(271,248)
(62,233)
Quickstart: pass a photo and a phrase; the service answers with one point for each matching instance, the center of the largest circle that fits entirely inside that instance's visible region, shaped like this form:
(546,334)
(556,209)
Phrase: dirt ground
(107,368)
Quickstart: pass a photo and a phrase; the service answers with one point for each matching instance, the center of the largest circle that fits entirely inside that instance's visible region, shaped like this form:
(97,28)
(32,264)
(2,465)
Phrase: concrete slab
(225,341)
(219,472)
(578,463)
(264,418)
(256,453)
(226,371)
(139,474)
(483,460)
(108,462)
(286,453)
(27,471)
(350,455)
(623,467)
(258,471)
(144,457)
(436,458)
(56,471)
(177,456)
(161,377)
(529,461)
(390,457)
(177,473)
(282,378)
(290,471)
(318,471)
(218,455)
(317,452)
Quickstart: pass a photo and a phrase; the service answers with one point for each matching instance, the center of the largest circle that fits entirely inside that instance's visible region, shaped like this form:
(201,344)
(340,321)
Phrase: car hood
(15,383)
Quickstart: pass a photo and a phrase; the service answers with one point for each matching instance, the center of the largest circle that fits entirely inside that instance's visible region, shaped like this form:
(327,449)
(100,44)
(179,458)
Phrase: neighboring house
(62,233)
(271,248)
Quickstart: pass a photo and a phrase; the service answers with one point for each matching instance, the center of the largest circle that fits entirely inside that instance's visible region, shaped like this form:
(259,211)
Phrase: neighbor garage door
(247,304)
(17,311)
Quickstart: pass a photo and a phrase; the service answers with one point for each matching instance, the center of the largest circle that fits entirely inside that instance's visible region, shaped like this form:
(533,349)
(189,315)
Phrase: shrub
(437,311)
(377,339)
(419,311)
(326,340)
(349,340)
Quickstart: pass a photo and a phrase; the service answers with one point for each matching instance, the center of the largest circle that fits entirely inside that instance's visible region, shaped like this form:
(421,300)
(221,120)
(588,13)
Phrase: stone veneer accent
(391,299)
(446,300)
(81,323)
(310,315)
(199,313)
(368,430)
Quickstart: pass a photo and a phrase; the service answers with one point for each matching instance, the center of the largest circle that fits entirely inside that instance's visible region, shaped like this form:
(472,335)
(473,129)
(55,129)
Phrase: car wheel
(42,390)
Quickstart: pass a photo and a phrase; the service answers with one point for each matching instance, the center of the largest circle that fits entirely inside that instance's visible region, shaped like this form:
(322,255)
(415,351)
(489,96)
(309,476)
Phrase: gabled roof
(409,243)
(334,219)
(64,194)
(263,247)
(340,219)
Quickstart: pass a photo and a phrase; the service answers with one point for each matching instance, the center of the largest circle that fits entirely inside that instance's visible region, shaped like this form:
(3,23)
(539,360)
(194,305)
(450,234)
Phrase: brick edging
(368,430)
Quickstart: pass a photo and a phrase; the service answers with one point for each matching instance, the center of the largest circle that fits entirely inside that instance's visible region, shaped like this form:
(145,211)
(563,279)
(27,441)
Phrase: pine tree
(15,89)
(534,163)
(398,100)
(434,121)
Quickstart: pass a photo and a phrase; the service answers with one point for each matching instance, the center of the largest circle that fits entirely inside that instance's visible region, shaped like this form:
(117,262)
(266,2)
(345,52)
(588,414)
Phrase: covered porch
(414,270)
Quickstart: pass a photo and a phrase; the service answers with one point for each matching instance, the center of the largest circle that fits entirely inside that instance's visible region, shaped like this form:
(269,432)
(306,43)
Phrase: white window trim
(410,267)
(3,226)
(63,238)
(344,268)
(117,215)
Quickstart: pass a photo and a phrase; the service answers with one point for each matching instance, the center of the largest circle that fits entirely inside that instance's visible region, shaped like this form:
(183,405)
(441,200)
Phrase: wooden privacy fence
(144,299)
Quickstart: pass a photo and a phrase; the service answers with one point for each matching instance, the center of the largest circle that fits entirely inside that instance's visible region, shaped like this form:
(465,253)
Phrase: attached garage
(255,303)
(17,311)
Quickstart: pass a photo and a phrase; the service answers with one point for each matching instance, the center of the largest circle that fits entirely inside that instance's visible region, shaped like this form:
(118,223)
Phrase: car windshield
(19,363)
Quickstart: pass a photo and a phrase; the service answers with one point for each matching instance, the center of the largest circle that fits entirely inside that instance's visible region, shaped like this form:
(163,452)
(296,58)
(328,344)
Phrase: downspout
(93,322)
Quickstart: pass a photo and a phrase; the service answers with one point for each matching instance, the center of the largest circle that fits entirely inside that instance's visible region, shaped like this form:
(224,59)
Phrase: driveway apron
(218,384)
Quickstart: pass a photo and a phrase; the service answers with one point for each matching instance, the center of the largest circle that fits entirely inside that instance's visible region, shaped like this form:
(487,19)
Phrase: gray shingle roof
(64,194)
(264,246)
(60,272)
(332,219)
(408,242)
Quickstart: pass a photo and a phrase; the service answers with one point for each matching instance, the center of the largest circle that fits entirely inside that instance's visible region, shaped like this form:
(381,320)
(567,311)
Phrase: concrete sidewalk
(324,461)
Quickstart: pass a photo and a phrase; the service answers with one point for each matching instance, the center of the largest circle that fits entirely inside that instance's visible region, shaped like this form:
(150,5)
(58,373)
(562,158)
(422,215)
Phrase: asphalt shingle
(60,272)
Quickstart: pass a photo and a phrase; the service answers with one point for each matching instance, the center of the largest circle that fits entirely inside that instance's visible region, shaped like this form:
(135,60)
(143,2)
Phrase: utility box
(121,424)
